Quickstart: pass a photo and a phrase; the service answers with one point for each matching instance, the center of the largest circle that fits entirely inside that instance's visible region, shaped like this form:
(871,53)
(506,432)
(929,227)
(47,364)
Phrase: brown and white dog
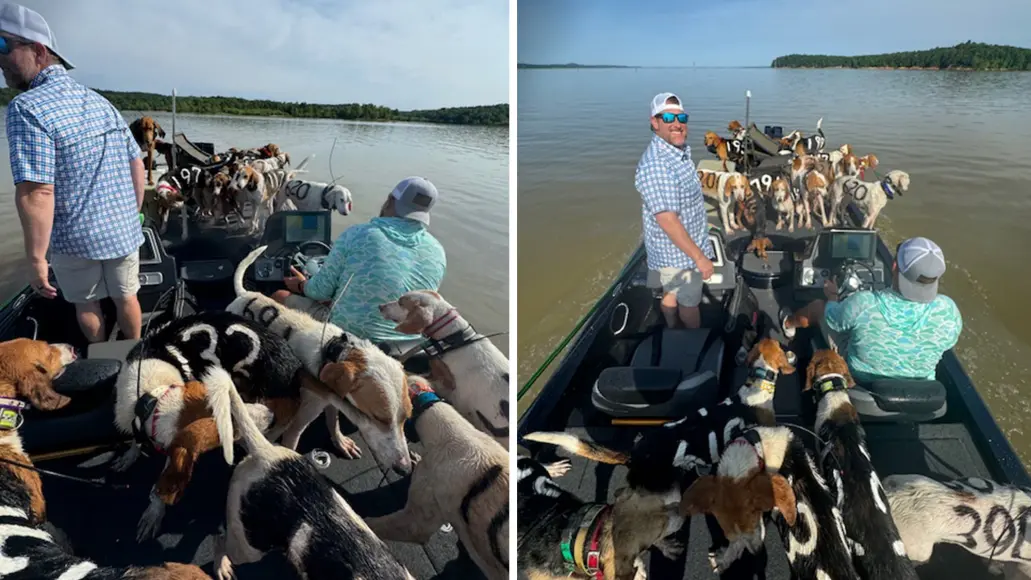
(725,149)
(268,164)
(783,203)
(737,131)
(878,550)
(714,186)
(986,518)
(27,370)
(374,386)
(146,131)
(869,196)
(262,188)
(472,373)
(278,501)
(809,145)
(463,479)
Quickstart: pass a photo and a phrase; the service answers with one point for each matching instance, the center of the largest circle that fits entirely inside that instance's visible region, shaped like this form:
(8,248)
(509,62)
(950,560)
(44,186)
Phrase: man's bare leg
(130,316)
(809,315)
(669,308)
(91,320)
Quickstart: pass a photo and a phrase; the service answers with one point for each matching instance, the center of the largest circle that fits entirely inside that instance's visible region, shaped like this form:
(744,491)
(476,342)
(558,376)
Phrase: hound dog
(27,370)
(816,182)
(262,188)
(278,501)
(800,167)
(809,145)
(158,399)
(314,196)
(472,372)
(173,189)
(783,204)
(657,460)
(371,385)
(737,193)
(463,479)
(737,131)
(145,131)
(551,518)
(869,196)
(769,468)
(988,518)
(725,149)
(268,164)
(714,186)
(878,550)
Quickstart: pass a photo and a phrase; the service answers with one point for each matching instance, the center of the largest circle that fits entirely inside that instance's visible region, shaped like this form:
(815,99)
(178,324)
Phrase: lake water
(469,166)
(963,137)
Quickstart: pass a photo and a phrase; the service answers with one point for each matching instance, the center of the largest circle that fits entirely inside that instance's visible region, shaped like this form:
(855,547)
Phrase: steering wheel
(848,280)
(300,260)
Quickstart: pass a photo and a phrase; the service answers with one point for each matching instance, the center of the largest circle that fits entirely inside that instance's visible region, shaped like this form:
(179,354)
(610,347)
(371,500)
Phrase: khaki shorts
(82,280)
(687,284)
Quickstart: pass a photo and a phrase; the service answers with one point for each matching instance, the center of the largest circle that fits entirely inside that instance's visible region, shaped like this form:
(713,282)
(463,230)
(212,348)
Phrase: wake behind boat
(626,374)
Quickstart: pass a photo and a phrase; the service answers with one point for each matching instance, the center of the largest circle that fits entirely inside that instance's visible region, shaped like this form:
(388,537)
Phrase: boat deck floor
(99,523)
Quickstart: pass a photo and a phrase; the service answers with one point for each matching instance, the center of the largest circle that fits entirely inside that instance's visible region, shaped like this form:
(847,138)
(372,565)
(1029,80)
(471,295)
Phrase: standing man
(78,178)
(673,210)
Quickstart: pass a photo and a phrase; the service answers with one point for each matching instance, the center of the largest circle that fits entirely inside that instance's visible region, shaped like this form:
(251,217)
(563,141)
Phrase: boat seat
(86,375)
(672,373)
(899,400)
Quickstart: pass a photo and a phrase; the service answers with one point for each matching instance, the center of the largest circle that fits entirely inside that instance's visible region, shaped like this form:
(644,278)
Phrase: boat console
(301,239)
(847,257)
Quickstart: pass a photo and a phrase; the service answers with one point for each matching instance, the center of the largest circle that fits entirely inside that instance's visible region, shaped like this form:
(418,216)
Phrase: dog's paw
(127,459)
(714,563)
(558,468)
(347,447)
(224,570)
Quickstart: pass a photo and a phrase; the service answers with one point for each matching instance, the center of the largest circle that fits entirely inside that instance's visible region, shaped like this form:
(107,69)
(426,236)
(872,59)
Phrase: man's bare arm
(139,176)
(670,223)
(35,203)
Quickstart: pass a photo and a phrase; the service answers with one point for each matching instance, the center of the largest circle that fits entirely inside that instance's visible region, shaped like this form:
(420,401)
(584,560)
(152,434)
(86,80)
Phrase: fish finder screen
(302,228)
(853,245)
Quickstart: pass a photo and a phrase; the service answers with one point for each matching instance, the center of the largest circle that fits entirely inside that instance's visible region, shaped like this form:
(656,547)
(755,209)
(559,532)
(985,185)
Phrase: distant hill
(966,56)
(493,115)
(572,65)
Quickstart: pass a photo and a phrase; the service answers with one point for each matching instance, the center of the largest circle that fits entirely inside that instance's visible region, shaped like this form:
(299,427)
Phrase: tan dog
(146,130)
(463,479)
(472,373)
(783,203)
(737,131)
(720,145)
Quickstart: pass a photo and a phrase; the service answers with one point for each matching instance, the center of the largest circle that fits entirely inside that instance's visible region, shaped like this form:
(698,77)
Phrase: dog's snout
(403,466)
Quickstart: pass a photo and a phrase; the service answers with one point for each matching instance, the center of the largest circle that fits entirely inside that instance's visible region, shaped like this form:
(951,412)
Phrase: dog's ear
(773,491)
(810,375)
(252,181)
(782,362)
(699,498)
(340,377)
(418,318)
(39,390)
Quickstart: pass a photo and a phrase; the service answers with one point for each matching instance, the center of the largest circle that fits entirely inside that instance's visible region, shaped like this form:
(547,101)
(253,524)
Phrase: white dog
(314,196)
(869,196)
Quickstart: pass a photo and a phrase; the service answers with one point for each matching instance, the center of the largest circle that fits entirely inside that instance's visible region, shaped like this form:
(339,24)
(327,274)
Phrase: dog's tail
(227,407)
(819,127)
(574,444)
(242,269)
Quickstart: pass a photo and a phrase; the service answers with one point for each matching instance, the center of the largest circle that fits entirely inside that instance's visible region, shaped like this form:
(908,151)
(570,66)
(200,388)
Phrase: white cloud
(404,54)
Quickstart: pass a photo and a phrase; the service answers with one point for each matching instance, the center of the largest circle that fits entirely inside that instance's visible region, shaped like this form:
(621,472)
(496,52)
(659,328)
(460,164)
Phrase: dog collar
(763,378)
(581,540)
(423,401)
(831,382)
(164,188)
(10,413)
(886,186)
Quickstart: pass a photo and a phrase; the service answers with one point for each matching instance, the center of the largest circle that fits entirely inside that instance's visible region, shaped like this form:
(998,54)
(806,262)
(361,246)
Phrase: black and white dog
(278,501)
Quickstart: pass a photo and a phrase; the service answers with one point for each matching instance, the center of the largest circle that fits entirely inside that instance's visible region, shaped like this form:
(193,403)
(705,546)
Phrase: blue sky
(754,32)
(400,53)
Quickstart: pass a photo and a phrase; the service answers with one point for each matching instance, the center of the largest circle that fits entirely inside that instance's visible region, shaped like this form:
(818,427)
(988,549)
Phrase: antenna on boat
(748,149)
(174,162)
(184,229)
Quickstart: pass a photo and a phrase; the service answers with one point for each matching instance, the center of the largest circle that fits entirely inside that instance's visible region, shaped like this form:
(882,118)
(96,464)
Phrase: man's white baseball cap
(659,103)
(19,21)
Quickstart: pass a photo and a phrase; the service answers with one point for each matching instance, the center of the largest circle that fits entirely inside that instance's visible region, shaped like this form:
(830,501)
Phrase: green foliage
(495,115)
(968,55)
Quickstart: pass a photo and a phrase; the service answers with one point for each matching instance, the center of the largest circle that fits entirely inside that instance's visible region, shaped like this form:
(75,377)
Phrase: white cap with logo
(659,103)
(919,258)
(22,22)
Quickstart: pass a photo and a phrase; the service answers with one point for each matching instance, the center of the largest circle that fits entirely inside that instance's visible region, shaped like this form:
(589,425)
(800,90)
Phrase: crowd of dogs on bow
(733,463)
(260,177)
(815,182)
(261,372)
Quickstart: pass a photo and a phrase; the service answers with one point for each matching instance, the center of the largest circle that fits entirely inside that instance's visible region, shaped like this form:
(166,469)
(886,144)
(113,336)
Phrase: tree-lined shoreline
(487,115)
(966,56)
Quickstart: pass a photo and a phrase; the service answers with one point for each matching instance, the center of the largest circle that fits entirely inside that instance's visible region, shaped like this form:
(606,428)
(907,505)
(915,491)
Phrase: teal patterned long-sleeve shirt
(891,337)
(388,256)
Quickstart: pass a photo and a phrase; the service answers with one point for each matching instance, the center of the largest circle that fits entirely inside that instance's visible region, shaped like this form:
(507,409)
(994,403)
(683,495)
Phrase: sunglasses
(8,44)
(668,117)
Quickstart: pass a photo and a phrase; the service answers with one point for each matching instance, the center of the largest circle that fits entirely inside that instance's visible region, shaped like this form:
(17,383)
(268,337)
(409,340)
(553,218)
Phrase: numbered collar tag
(888,191)
(10,413)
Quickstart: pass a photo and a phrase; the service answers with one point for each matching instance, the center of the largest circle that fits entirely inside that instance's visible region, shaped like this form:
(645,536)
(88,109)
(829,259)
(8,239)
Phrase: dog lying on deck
(869,196)
(27,370)
(769,468)
(463,479)
(619,532)
(145,131)
(278,501)
(987,518)
(371,385)
(878,549)
(694,441)
(472,373)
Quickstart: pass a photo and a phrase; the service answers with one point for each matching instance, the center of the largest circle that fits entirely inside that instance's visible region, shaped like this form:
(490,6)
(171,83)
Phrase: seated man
(896,333)
(388,256)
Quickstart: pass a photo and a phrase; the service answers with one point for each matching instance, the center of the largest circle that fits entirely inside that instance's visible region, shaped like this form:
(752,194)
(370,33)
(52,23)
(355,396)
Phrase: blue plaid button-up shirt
(62,133)
(668,181)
